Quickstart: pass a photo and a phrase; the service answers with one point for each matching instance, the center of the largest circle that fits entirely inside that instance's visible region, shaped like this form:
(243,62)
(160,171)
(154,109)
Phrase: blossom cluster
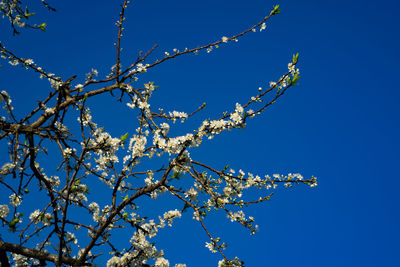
(7,168)
(144,250)
(4,211)
(6,99)
(178,115)
(21,261)
(95,210)
(42,217)
(105,148)
(116,162)
(15,200)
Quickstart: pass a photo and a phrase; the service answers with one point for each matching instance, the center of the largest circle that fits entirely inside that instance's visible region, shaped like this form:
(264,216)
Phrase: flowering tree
(90,157)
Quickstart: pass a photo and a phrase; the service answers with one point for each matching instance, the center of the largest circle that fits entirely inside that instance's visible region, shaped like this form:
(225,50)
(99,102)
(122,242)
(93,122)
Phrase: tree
(144,163)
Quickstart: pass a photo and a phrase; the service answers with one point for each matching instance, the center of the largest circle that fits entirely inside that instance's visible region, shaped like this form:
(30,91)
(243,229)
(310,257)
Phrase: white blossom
(21,261)
(34,217)
(7,168)
(161,262)
(178,115)
(192,194)
(68,152)
(15,200)
(49,111)
(236,216)
(70,237)
(4,211)
(141,68)
(211,246)
(171,215)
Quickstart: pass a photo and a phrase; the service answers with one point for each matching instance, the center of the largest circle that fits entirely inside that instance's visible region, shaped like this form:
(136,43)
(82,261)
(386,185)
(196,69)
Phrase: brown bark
(37,254)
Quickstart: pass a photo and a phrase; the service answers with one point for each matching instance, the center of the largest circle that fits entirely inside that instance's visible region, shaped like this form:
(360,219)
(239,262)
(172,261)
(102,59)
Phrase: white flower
(161,262)
(46,219)
(237,216)
(234,263)
(263,26)
(291,67)
(143,105)
(80,252)
(192,194)
(14,62)
(196,216)
(86,118)
(236,118)
(225,39)
(114,261)
(28,61)
(20,261)
(288,184)
(171,215)
(137,144)
(34,217)
(15,200)
(131,105)
(4,211)
(178,115)
(71,237)
(141,68)
(165,128)
(6,168)
(211,247)
(68,152)
(94,207)
(149,88)
(239,108)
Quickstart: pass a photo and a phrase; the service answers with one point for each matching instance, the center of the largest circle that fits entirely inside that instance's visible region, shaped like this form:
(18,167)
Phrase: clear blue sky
(341,123)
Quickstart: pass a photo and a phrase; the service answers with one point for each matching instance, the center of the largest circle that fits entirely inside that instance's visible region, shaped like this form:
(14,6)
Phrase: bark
(36,254)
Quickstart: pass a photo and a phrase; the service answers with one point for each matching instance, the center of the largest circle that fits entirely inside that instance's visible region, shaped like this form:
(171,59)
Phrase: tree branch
(37,254)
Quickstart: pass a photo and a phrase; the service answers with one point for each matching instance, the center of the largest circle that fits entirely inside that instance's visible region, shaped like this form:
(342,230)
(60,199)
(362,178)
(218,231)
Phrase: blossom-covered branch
(99,179)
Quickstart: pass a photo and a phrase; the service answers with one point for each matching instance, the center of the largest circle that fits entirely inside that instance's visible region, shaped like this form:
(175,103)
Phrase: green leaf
(275,10)
(13,223)
(295,58)
(176,175)
(126,198)
(27,14)
(295,79)
(42,26)
(124,137)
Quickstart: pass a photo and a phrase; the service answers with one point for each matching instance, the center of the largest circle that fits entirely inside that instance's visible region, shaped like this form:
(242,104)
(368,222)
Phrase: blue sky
(341,123)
